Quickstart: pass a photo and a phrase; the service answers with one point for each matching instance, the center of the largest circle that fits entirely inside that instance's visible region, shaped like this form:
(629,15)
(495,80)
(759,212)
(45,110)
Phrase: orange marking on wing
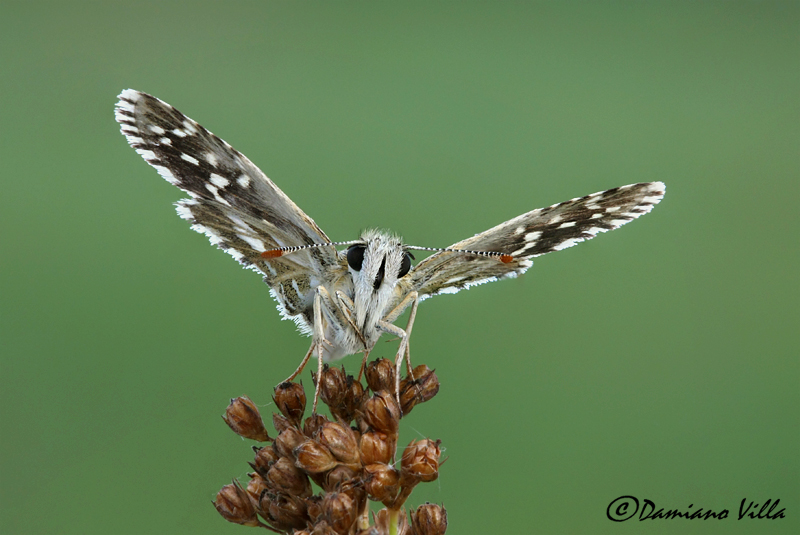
(272,253)
(506,258)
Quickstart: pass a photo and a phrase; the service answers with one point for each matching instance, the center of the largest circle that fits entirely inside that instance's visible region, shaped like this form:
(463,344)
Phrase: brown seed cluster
(352,457)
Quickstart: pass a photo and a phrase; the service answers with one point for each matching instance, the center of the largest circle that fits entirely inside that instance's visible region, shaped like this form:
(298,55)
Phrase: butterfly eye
(405,265)
(355,256)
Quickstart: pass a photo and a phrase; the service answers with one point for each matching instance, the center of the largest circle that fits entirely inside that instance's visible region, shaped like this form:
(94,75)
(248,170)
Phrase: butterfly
(346,299)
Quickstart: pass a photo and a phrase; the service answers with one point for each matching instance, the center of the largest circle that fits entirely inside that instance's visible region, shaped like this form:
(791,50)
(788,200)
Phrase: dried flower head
(382,413)
(382,482)
(421,460)
(380,375)
(313,457)
(422,388)
(242,416)
(339,511)
(377,447)
(265,458)
(353,399)
(342,443)
(287,441)
(290,398)
(234,504)
(256,486)
(284,511)
(312,425)
(351,457)
(284,476)
(429,519)
(333,386)
(281,422)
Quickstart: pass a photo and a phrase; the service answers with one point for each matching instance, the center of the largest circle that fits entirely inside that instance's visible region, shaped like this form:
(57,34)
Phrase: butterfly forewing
(532,234)
(232,201)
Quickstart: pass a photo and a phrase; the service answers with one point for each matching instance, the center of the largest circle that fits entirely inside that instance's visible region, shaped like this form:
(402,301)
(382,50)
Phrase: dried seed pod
(382,413)
(284,476)
(255,487)
(234,504)
(314,507)
(280,422)
(429,519)
(313,457)
(242,416)
(376,447)
(333,386)
(422,388)
(287,441)
(263,504)
(353,399)
(290,398)
(340,511)
(287,512)
(420,462)
(265,458)
(312,425)
(339,476)
(355,489)
(417,373)
(342,443)
(380,375)
(382,482)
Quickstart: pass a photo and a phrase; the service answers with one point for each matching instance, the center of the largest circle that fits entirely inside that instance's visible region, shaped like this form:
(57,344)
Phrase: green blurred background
(659,361)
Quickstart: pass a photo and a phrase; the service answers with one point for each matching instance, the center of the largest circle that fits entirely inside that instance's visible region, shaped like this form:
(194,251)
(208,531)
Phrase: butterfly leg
(363,365)
(302,364)
(348,307)
(386,325)
(406,352)
(337,321)
(319,338)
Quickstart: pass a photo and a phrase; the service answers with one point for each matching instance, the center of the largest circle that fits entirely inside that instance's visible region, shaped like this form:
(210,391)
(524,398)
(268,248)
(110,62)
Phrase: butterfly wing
(532,234)
(232,201)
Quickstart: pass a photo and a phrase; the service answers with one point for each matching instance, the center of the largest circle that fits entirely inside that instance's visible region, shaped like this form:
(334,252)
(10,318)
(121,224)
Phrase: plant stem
(394,517)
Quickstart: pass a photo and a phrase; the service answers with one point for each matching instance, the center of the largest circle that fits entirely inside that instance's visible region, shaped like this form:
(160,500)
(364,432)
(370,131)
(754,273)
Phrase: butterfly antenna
(281,251)
(504,258)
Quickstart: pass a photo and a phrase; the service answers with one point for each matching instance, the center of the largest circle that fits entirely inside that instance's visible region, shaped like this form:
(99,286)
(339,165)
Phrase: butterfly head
(376,262)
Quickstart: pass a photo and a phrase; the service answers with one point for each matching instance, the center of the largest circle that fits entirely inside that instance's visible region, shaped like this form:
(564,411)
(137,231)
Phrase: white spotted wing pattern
(345,299)
(232,202)
(532,234)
